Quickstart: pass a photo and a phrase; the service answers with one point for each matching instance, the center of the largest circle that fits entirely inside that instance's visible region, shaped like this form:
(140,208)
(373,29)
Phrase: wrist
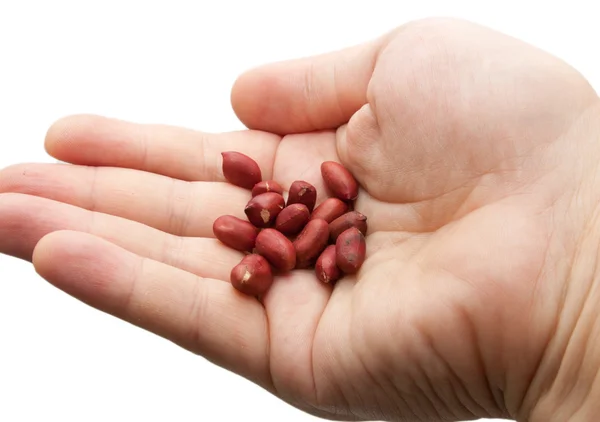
(566,385)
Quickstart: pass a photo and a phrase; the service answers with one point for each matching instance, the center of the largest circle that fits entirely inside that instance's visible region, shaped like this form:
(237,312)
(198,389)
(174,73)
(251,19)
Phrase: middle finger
(170,205)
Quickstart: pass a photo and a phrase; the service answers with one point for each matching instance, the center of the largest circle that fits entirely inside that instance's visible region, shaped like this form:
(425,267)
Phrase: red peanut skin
(263,209)
(350,250)
(339,181)
(292,219)
(236,233)
(240,170)
(277,249)
(302,192)
(267,186)
(252,276)
(343,223)
(326,268)
(310,242)
(329,210)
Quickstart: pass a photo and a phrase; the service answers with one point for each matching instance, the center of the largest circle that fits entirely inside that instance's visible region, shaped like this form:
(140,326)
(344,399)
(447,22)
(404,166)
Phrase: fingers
(171,151)
(173,206)
(308,94)
(203,315)
(25,219)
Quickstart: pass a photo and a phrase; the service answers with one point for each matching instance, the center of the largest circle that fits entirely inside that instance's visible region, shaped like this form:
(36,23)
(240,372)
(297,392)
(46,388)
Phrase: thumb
(303,95)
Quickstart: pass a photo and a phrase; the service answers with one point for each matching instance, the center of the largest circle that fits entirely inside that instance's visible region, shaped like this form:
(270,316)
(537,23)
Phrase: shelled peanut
(281,236)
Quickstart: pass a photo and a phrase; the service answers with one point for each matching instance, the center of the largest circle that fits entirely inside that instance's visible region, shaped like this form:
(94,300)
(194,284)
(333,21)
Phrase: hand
(477,155)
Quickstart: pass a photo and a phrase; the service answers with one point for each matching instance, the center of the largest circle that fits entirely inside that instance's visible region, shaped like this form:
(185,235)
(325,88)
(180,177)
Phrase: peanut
(339,181)
(240,170)
(252,276)
(272,221)
(350,219)
(329,210)
(310,242)
(277,249)
(350,250)
(326,268)
(292,219)
(302,192)
(235,233)
(263,209)
(267,186)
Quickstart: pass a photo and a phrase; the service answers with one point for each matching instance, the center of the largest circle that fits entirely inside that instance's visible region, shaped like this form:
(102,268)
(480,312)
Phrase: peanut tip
(246,276)
(265,215)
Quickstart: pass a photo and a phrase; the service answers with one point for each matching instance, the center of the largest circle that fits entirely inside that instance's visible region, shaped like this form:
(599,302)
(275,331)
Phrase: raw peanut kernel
(350,250)
(350,219)
(267,186)
(252,276)
(339,180)
(326,268)
(263,209)
(329,210)
(310,242)
(235,233)
(277,249)
(240,170)
(292,219)
(302,192)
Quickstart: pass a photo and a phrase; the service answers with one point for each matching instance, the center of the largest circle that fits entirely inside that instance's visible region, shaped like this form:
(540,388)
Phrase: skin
(477,157)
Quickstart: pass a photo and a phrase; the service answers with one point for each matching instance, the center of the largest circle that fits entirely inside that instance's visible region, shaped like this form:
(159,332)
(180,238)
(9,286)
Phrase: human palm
(465,143)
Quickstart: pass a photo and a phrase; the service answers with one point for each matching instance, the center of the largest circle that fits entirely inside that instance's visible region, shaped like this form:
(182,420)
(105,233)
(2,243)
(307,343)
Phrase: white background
(172,62)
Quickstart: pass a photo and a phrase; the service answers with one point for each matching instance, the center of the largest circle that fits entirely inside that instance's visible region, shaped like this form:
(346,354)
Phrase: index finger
(176,152)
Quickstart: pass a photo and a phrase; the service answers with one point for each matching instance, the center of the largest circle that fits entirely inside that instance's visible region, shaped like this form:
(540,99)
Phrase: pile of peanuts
(280,236)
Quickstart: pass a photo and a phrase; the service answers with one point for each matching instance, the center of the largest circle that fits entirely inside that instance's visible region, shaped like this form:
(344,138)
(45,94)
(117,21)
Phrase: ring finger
(25,219)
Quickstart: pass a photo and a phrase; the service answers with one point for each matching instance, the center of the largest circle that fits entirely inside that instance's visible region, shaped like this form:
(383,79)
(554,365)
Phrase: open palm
(462,140)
